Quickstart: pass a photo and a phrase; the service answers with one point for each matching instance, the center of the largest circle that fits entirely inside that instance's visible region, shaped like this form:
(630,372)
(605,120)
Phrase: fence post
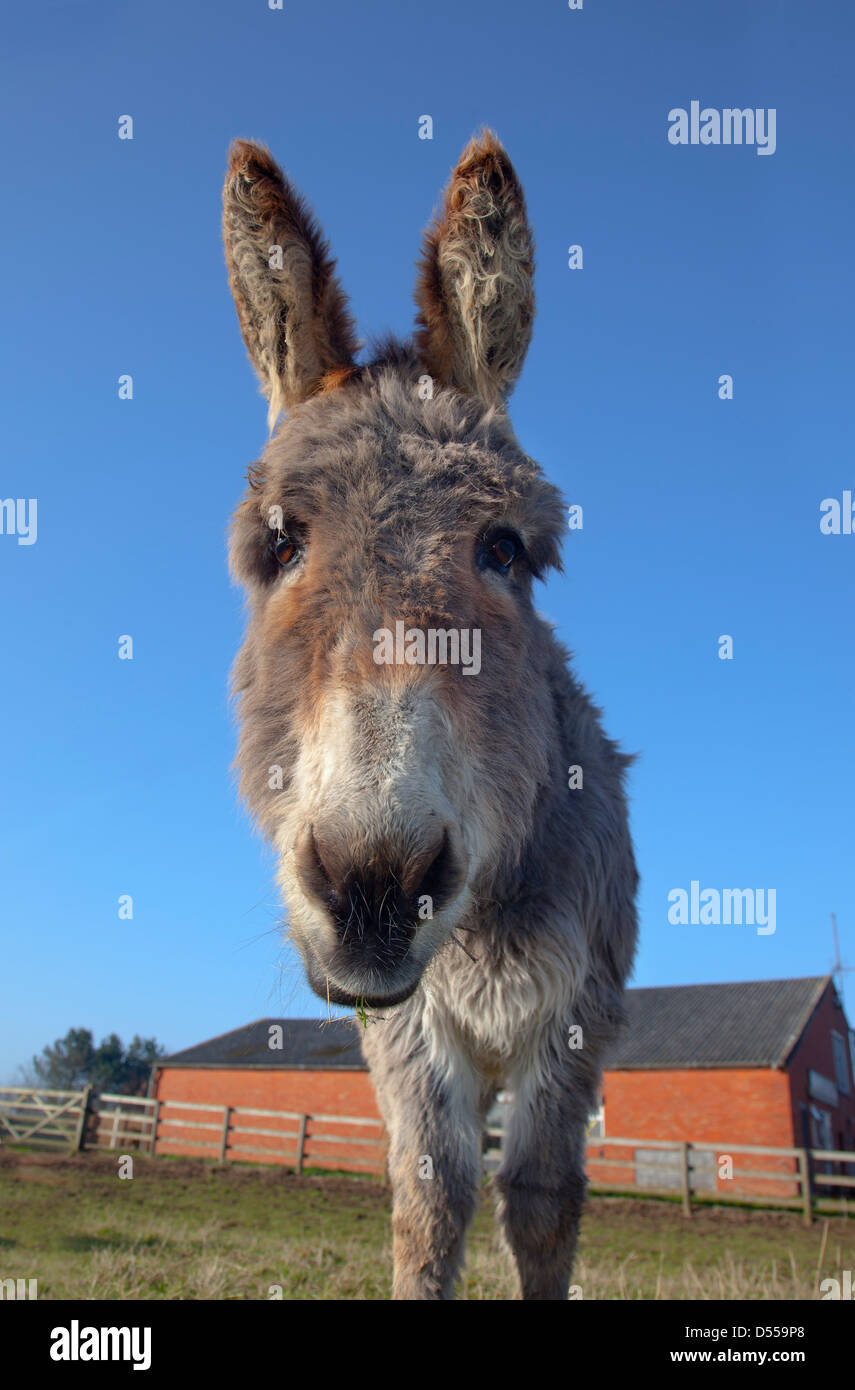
(80,1137)
(301,1144)
(804,1179)
(224,1140)
(686,1179)
(117,1115)
(154,1118)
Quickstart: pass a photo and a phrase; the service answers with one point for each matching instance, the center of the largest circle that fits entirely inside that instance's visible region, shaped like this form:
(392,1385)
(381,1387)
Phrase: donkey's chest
(499,1005)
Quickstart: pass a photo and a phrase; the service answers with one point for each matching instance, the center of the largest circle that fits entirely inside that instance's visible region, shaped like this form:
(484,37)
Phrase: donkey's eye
(504,551)
(286,550)
(499,552)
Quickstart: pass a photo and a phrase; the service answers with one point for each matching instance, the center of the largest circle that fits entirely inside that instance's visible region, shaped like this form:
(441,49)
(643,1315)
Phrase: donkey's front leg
(541,1184)
(435,1167)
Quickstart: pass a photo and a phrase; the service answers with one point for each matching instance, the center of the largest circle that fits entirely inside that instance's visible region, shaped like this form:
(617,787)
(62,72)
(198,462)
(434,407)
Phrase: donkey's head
(397,721)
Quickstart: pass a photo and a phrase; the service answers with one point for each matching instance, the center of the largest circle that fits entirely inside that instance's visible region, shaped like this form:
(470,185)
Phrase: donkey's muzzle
(376,897)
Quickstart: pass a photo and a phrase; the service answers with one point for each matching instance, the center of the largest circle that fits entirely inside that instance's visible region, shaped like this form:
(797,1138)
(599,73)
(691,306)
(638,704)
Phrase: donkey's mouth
(370,937)
(369,1001)
(326,988)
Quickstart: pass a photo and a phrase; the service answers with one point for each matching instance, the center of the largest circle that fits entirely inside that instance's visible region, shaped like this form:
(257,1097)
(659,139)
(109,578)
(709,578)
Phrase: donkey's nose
(378,895)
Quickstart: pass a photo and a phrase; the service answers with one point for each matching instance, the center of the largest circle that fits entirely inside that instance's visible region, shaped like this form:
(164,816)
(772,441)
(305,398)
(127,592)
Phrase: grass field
(184,1228)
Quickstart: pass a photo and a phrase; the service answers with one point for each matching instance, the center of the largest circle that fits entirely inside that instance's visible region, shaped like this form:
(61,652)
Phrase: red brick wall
(750,1106)
(814,1052)
(306,1092)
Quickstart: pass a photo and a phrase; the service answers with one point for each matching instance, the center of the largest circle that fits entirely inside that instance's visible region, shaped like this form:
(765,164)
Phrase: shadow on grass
(83,1245)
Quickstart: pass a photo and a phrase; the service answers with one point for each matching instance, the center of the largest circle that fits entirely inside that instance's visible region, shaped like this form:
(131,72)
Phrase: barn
(756,1063)
(765,1063)
(278,1090)
(294,1064)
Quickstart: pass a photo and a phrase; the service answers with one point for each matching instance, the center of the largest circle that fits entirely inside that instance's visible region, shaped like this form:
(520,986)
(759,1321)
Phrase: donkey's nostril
(381,891)
(441,878)
(320,869)
(332,859)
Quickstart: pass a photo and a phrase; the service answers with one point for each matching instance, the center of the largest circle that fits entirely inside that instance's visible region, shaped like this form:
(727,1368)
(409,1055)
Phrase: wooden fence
(807,1180)
(53,1119)
(270,1136)
(82,1119)
(122,1121)
(801,1179)
(703,1171)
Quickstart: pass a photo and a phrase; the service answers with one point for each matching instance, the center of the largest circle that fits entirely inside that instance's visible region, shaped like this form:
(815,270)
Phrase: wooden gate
(31,1115)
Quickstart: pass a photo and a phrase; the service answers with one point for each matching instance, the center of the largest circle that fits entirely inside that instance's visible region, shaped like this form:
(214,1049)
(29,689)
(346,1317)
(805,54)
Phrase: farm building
(761,1062)
(276,1090)
(766,1063)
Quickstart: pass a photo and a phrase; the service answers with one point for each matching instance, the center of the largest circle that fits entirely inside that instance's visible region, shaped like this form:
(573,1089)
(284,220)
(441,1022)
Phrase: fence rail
(704,1171)
(81,1119)
(125,1120)
(31,1115)
(295,1138)
(697,1170)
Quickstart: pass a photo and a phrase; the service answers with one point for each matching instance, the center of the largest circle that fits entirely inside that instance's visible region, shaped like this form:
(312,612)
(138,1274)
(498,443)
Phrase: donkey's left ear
(475,288)
(293,312)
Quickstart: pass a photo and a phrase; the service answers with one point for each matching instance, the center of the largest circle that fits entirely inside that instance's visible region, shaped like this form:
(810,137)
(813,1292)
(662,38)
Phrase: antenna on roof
(838,968)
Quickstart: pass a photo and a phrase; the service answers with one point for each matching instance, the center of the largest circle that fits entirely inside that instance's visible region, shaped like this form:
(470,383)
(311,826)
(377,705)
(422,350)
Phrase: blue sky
(701,516)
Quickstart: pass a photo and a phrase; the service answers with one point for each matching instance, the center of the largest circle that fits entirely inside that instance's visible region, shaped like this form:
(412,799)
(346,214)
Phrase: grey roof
(306,1043)
(754,1023)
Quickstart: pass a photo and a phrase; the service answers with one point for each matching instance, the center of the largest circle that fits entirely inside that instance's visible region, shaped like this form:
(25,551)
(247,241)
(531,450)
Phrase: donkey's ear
(475,287)
(293,312)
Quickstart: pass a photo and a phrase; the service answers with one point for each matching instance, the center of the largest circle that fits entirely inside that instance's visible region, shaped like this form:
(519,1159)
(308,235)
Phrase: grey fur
(391,496)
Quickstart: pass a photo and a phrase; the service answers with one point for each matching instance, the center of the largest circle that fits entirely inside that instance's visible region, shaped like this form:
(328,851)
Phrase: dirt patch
(660,1214)
(52,1168)
(368,1193)
(31,1172)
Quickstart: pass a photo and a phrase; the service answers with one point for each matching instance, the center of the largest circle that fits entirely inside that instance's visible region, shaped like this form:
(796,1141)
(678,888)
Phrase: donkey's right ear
(475,289)
(293,313)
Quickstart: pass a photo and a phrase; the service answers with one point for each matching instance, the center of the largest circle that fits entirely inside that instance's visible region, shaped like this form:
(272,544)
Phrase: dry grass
(186,1229)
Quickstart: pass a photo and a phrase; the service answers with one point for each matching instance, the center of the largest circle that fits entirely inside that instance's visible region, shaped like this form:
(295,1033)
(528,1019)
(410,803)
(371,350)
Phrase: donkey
(439,867)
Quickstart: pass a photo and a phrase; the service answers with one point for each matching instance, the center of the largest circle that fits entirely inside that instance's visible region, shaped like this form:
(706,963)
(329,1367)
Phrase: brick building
(762,1062)
(758,1062)
(766,1062)
(296,1065)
